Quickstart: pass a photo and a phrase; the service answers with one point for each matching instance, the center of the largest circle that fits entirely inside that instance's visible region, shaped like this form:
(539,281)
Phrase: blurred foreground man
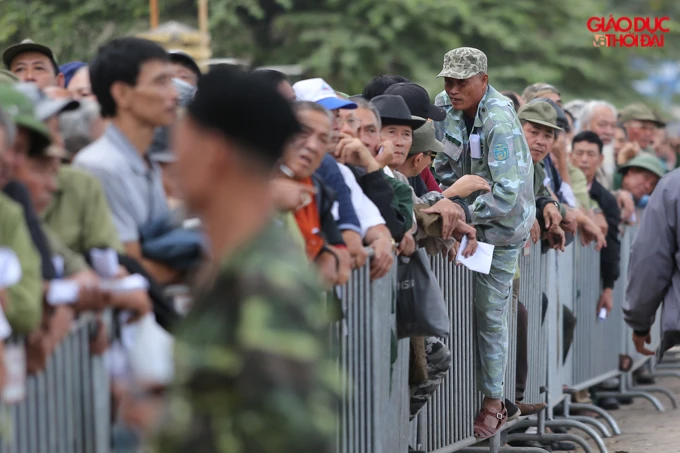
(483,136)
(249,355)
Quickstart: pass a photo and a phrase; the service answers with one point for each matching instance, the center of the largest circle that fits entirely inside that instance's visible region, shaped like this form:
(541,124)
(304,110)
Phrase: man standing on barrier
(483,136)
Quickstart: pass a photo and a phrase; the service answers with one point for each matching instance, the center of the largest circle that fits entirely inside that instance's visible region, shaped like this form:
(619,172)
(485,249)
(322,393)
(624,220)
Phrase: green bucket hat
(539,112)
(424,140)
(22,112)
(647,162)
(639,112)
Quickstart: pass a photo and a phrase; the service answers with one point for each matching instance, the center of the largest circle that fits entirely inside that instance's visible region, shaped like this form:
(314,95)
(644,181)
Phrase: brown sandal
(482,430)
(530,409)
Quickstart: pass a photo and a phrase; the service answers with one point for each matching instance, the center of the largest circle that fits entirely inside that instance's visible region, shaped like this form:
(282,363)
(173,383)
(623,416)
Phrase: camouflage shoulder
(442,100)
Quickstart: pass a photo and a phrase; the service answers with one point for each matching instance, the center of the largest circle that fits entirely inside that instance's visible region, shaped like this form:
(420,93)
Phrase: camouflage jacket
(252,368)
(505,215)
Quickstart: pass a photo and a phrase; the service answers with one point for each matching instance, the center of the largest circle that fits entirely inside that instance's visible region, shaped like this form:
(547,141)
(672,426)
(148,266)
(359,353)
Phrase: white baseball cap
(317,90)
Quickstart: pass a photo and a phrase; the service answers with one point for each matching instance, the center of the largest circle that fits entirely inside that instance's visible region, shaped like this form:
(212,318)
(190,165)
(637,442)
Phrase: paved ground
(644,429)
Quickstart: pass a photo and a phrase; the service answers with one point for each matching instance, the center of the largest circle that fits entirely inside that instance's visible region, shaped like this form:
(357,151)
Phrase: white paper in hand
(10,268)
(480,261)
(134,282)
(105,262)
(151,356)
(603,313)
(62,292)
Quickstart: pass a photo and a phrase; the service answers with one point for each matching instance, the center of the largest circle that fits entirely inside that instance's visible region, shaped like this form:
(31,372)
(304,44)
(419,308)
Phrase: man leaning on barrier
(483,136)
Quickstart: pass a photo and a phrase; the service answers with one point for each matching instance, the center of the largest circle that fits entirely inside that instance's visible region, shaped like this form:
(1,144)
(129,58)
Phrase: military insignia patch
(500,152)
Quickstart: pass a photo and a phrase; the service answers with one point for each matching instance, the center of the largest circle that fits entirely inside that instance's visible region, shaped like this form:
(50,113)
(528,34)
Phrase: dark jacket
(325,197)
(332,177)
(610,256)
(653,271)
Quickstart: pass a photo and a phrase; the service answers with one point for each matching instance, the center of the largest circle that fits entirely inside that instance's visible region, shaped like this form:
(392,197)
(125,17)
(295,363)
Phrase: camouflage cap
(463,63)
(538,90)
(647,162)
(539,112)
(424,140)
(639,112)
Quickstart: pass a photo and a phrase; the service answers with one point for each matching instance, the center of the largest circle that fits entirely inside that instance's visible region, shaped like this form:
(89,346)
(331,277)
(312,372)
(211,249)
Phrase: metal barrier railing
(66,408)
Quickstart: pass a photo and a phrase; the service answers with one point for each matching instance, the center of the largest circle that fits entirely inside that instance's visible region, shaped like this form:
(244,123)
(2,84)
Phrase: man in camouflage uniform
(251,369)
(483,136)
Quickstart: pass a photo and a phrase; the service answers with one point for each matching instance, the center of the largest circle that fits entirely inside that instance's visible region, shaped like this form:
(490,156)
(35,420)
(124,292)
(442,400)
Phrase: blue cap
(69,70)
(317,90)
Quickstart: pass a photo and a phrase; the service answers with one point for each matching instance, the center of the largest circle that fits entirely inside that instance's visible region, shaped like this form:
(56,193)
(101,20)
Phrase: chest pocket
(453,147)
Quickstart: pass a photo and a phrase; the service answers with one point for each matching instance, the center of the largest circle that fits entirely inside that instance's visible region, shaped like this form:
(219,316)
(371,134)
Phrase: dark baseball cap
(28,46)
(184,59)
(418,101)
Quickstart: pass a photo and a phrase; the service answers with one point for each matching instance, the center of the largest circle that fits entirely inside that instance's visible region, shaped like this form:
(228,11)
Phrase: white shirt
(367,212)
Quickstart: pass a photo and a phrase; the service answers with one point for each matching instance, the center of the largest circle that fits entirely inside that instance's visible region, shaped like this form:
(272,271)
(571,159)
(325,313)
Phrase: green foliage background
(349,41)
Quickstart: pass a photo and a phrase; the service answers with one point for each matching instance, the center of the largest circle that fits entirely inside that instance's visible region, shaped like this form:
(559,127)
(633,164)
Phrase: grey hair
(76,125)
(7,125)
(364,104)
(301,106)
(588,111)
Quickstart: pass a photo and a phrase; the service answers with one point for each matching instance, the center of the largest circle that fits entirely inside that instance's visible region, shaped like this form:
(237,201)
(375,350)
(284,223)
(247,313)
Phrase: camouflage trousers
(438,358)
(493,294)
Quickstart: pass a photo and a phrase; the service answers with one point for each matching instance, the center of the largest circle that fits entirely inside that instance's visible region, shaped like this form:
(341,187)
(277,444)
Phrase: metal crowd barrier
(66,407)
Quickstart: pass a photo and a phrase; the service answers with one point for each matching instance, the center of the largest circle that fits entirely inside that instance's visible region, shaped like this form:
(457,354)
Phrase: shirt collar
(121,142)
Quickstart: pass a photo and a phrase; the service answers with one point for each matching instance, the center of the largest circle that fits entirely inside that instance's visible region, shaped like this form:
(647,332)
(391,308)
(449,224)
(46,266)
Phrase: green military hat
(539,112)
(7,76)
(638,112)
(647,162)
(20,108)
(463,63)
(538,90)
(28,45)
(424,140)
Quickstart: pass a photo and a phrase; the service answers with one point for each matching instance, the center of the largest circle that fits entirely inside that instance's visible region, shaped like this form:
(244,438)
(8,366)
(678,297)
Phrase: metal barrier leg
(656,389)
(553,438)
(605,415)
(561,423)
(635,394)
(666,374)
(588,421)
(504,450)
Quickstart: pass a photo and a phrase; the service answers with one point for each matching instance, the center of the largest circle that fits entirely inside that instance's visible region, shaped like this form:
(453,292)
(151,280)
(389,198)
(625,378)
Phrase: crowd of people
(294,186)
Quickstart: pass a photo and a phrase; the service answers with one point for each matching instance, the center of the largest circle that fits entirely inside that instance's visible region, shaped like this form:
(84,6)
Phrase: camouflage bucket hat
(647,162)
(463,63)
(541,113)
(425,141)
(639,112)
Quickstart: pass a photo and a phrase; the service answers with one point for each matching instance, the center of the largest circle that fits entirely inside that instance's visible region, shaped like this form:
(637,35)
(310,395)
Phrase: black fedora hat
(418,101)
(394,111)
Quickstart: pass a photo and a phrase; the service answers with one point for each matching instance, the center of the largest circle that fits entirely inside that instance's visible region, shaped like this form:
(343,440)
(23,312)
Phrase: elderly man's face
(304,155)
(641,132)
(466,94)
(37,68)
(348,122)
(368,129)
(402,138)
(619,140)
(183,73)
(603,123)
(639,182)
(39,175)
(540,139)
(79,85)
(586,156)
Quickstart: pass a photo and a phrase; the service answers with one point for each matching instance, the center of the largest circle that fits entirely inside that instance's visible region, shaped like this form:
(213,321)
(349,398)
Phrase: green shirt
(251,368)
(73,262)
(79,213)
(579,185)
(24,310)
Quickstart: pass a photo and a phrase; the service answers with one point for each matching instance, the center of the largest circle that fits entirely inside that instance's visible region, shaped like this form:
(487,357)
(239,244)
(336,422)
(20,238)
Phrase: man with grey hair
(600,117)
(81,127)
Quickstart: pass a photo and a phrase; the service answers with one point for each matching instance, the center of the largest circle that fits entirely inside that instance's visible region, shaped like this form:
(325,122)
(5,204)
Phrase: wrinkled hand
(386,156)
(345,268)
(467,185)
(138,302)
(601,222)
(59,324)
(640,344)
(355,247)
(383,257)
(535,232)
(626,205)
(551,216)
(453,252)
(90,297)
(407,246)
(556,238)
(289,195)
(569,223)
(38,348)
(100,340)
(351,150)
(591,232)
(465,230)
(450,213)
(606,301)
(629,151)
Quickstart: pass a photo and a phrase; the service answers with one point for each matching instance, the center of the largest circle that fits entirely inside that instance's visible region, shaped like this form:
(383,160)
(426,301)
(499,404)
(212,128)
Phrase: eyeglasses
(430,154)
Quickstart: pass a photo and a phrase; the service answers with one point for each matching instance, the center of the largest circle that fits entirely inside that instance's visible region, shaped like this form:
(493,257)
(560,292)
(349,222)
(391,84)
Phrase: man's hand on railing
(569,223)
(601,221)
(590,232)
(100,340)
(38,348)
(407,246)
(355,248)
(535,232)
(334,265)
(640,341)
(626,205)
(551,216)
(556,238)
(383,256)
(606,301)
(450,213)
